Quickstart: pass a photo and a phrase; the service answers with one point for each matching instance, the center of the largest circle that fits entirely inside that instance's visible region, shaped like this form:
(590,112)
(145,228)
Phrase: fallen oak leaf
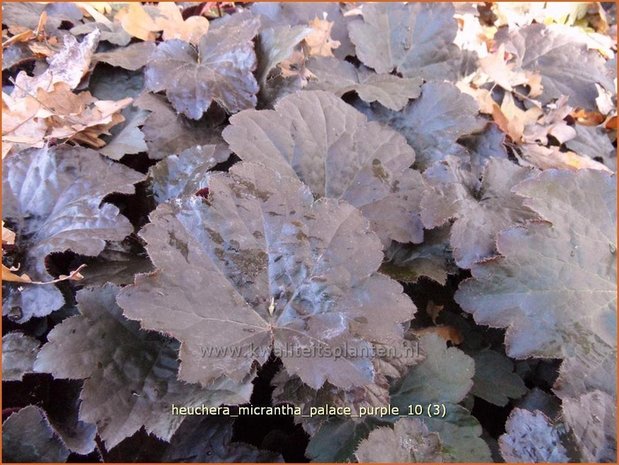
(8,275)
(60,114)
(587,118)
(294,67)
(496,66)
(45,48)
(482,96)
(551,124)
(137,21)
(512,120)
(68,65)
(20,128)
(8,236)
(174,26)
(319,41)
(97,118)
(552,157)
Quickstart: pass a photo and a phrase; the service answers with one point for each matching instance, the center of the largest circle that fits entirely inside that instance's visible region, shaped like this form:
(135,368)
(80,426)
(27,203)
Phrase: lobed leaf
(209,440)
(167,133)
(530,437)
(565,62)
(130,376)
(276,270)
(219,70)
(434,122)
(53,196)
(408,441)
(340,77)
(495,380)
(18,354)
(554,285)
(43,442)
(338,154)
(186,173)
(445,375)
(480,209)
(432,258)
(415,39)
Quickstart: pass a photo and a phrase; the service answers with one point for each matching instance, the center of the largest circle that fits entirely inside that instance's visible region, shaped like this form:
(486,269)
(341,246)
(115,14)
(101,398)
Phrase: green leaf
(495,380)
(445,375)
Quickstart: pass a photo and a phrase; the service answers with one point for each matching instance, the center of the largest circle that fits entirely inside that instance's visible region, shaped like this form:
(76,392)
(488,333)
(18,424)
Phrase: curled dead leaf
(551,157)
(174,26)
(319,41)
(511,119)
(8,236)
(136,21)
(9,275)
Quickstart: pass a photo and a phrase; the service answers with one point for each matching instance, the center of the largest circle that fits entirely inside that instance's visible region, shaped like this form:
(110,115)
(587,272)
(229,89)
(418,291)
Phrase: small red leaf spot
(202,192)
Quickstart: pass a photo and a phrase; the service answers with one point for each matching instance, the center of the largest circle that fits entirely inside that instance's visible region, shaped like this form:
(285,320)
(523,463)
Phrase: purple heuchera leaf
(260,265)
(167,133)
(209,440)
(554,287)
(129,376)
(43,443)
(434,122)
(530,437)
(338,154)
(564,60)
(408,441)
(416,39)
(53,198)
(185,173)
(219,70)
(340,77)
(480,209)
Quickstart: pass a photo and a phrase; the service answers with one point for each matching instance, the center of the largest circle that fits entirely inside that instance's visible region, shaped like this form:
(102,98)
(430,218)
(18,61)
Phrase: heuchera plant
(399,218)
